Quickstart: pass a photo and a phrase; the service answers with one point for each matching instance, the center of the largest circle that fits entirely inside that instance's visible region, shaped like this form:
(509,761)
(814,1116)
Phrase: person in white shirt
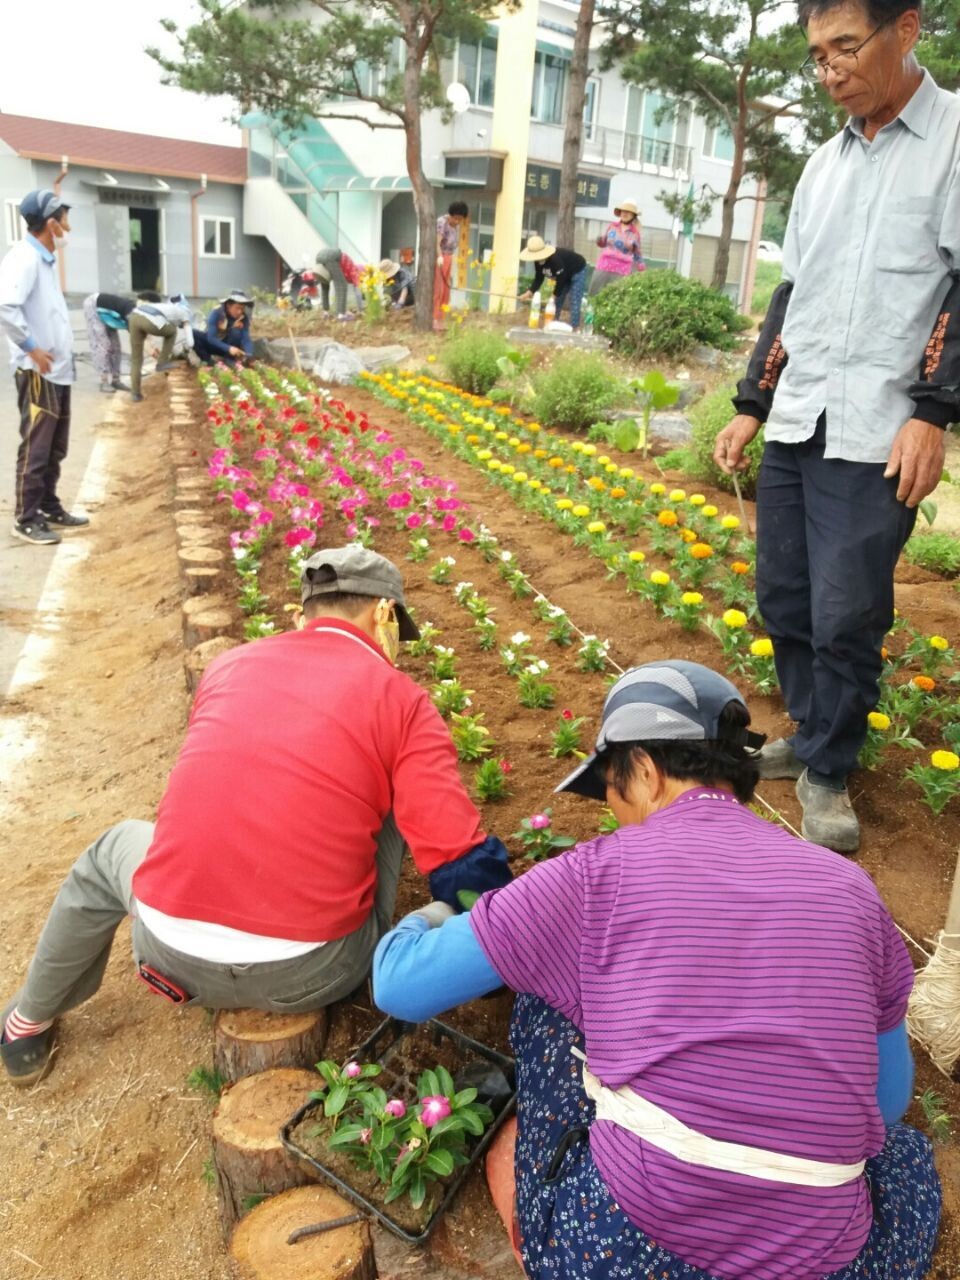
(35,320)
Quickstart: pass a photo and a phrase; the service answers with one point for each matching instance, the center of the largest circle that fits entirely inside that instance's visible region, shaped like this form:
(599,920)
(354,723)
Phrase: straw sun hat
(537,250)
(626,206)
(389,268)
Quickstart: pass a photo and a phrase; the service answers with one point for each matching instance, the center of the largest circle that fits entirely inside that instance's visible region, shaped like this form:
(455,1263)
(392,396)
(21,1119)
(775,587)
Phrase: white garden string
(933,1016)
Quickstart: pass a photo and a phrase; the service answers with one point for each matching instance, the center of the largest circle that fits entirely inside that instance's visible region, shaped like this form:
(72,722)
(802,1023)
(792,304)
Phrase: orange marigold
(687,535)
(739,566)
(700,551)
(925,683)
(667,518)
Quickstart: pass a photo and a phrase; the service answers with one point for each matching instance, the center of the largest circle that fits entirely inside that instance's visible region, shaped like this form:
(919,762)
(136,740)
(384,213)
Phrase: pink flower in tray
(265,517)
(449,523)
(240,499)
(539,821)
(414,521)
(433,1109)
(466,535)
(352,1070)
(299,536)
(396,1108)
(397,501)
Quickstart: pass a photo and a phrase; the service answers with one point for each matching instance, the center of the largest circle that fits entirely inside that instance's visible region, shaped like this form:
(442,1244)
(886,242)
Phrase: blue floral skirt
(573,1229)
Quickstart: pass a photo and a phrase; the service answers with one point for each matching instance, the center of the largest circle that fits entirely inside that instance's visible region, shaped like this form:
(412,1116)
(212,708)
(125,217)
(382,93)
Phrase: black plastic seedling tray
(380,1047)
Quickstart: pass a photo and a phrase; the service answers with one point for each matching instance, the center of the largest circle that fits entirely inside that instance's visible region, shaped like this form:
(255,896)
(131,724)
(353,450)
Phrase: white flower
(508,655)
(449,560)
(555,611)
(506,556)
(542,666)
(519,637)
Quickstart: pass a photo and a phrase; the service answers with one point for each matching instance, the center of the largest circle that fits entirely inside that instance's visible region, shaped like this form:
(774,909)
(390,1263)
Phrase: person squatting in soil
(35,320)
(712,1059)
(310,762)
(856,375)
(227,335)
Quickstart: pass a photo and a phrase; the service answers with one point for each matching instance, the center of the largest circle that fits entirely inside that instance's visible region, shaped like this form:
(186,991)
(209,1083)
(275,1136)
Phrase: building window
(549,87)
(15,225)
(216,237)
(656,129)
(590,103)
(477,69)
(718,143)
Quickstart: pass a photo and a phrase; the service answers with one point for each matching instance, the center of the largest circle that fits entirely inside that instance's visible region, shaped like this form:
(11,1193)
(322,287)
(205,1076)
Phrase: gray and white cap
(358,571)
(671,701)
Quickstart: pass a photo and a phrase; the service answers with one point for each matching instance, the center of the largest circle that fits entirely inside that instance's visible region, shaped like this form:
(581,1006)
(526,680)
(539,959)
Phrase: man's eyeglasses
(841,64)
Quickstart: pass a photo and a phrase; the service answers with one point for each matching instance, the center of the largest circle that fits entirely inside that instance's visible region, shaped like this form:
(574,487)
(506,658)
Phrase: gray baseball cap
(37,206)
(669,701)
(361,572)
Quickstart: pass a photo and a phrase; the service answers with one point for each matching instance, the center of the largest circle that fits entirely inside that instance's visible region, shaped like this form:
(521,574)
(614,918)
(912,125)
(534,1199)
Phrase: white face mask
(61,240)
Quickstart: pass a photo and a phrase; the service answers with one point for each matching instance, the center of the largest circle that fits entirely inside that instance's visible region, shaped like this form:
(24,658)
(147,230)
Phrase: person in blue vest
(227,336)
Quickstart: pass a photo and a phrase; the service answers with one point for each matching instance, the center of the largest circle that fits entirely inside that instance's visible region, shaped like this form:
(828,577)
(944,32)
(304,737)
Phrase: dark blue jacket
(224,333)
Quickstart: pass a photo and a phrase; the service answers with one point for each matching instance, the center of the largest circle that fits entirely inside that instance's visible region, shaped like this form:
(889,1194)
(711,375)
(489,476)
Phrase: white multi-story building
(338,181)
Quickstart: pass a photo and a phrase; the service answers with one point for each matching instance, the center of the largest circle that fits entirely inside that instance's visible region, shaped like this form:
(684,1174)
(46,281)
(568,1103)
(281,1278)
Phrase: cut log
(251,1040)
(249,1159)
(198,659)
(199,555)
(205,625)
(195,535)
(200,580)
(192,515)
(194,606)
(261,1252)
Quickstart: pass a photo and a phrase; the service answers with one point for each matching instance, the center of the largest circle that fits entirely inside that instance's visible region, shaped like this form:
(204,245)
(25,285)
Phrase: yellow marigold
(710,510)
(534,483)
(494,464)
(504,411)
(734,619)
(762,648)
(687,535)
(627,473)
(730,522)
(508,468)
(692,597)
(578,446)
(570,468)
(658,488)
(534,427)
(697,499)
(590,450)
(617,492)
(555,462)
(877,720)
(677,495)
(581,511)
(484,454)
(611,468)
(739,566)
(596,526)
(636,556)
(431,359)
(946,760)
(500,435)
(596,483)
(925,683)
(939,642)
(513,441)
(564,504)
(473,439)
(523,447)
(519,477)
(453,429)
(701,551)
(667,518)
(540,453)
(659,578)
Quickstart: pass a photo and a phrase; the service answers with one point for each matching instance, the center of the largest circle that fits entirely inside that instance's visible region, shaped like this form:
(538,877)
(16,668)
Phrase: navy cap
(669,701)
(38,206)
(359,571)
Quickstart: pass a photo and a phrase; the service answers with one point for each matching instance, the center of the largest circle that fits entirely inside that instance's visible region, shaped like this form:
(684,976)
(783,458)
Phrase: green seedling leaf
(440,1162)
(928,509)
(335,1100)
(449,1124)
(627,435)
(464,1097)
(445,1079)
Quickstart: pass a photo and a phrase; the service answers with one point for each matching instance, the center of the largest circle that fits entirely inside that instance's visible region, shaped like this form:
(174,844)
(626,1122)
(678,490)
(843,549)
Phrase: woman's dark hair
(459,209)
(345,602)
(880,12)
(717,762)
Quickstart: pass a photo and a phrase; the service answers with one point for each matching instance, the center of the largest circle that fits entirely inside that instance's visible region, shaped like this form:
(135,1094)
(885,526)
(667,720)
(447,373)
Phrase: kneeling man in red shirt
(310,762)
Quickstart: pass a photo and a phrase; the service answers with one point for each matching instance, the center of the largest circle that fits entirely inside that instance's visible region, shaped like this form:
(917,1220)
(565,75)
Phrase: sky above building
(85,63)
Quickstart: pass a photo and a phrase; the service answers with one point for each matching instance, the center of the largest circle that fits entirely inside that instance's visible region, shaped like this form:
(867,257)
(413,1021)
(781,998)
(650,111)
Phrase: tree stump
(200,580)
(260,1250)
(251,1040)
(205,625)
(190,556)
(249,1159)
(195,535)
(191,515)
(198,659)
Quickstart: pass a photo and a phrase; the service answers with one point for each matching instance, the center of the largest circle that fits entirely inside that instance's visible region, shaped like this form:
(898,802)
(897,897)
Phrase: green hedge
(470,359)
(708,417)
(661,313)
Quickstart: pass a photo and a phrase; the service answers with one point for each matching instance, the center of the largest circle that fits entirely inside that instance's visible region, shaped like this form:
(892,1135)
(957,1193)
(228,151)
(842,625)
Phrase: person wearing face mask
(310,763)
(35,320)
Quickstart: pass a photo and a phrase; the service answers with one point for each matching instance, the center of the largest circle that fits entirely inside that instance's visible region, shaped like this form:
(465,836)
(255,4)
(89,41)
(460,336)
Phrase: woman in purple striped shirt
(712,1062)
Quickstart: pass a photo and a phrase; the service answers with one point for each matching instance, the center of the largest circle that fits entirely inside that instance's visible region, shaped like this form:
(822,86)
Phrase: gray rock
(689,392)
(376,358)
(557,338)
(673,427)
(709,356)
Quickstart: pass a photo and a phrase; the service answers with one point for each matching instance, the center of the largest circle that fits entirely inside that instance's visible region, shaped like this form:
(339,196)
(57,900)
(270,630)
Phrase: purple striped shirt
(737,977)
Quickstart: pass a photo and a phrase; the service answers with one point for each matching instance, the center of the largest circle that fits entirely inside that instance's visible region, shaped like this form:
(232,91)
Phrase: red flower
(567,715)
(313,442)
(505,765)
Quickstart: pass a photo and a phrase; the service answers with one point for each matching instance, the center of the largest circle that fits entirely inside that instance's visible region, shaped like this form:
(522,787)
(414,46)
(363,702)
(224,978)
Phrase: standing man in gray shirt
(34,317)
(857,376)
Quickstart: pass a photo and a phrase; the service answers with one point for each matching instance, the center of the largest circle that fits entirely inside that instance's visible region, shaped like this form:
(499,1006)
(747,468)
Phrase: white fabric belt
(626,1108)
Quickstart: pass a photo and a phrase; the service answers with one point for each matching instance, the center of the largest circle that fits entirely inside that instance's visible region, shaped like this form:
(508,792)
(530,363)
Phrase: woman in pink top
(622,252)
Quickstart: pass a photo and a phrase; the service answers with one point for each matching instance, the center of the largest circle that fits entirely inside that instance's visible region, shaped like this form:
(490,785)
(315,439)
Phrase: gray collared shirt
(33,312)
(871,246)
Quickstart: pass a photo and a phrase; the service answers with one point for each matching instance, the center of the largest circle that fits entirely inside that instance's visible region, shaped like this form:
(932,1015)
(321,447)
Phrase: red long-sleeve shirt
(297,748)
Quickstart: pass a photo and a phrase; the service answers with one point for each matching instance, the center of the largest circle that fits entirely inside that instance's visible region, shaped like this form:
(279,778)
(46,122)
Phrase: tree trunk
(251,1040)
(249,1160)
(722,260)
(573,124)
(423,198)
(260,1246)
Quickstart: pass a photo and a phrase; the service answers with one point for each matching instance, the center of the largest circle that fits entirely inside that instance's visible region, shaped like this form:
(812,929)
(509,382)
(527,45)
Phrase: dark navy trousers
(829,534)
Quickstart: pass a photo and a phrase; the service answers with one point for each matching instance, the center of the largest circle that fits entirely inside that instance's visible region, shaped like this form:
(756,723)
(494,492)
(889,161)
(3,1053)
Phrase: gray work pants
(72,952)
(330,259)
(140,329)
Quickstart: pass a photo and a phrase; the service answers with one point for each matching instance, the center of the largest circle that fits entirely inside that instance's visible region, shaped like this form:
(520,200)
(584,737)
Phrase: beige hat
(389,268)
(626,206)
(537,250)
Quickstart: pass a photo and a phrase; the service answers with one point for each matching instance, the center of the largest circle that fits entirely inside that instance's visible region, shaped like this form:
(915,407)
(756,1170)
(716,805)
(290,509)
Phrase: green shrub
(576,390)
(766,280)
(470,359)
(708,417)
(660,313)
(939,552)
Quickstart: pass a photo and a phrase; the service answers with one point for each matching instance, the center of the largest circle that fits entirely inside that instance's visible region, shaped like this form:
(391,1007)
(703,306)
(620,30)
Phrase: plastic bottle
(550,312)
(588,319)
(534,318)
